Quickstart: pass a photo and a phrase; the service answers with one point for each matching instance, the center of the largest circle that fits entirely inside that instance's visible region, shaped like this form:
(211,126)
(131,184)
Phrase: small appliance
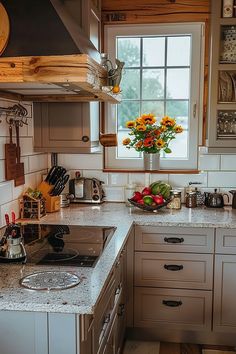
(86,190)
(11,244)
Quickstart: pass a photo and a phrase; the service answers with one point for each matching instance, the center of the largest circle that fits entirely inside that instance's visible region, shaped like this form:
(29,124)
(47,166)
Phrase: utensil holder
(52,202)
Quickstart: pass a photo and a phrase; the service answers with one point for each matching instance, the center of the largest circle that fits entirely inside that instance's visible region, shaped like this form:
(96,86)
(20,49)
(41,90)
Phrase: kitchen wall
(35,164)
(217,171)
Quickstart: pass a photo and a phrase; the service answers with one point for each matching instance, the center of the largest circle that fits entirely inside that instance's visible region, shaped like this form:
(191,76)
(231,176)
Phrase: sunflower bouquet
(150,136)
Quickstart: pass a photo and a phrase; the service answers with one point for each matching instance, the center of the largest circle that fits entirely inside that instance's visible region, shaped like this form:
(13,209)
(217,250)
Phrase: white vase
(151,161)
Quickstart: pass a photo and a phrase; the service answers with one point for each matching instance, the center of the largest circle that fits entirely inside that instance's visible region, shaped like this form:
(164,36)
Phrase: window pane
(177,85)
(154,107)
(153,83)
(178,51)
(179,146)
(154,51)
(130,84)
(128,50)
(178,110)
(127,111)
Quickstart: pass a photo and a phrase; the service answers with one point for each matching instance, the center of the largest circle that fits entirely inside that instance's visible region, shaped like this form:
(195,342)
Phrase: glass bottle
(175,202)
(191,199)
(129,192)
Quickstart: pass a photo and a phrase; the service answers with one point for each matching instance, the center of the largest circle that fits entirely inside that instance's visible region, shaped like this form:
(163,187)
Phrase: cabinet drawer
(191,271)
(174,239)
(102,315)
(177,309)
(226,241)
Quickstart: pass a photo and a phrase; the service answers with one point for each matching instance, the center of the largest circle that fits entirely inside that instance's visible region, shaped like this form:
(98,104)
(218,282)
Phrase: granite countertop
(82,298)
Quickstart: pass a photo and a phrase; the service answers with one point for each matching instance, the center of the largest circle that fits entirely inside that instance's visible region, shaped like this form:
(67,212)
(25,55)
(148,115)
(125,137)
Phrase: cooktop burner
(65,245)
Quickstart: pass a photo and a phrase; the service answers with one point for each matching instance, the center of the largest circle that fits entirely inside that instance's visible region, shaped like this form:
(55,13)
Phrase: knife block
(53,203)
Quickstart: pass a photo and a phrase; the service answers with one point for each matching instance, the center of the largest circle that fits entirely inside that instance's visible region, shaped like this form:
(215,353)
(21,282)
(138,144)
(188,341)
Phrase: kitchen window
(163,75)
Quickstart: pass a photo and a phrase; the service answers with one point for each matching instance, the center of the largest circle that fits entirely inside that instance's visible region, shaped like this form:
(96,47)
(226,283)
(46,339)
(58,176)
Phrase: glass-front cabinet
(222,80)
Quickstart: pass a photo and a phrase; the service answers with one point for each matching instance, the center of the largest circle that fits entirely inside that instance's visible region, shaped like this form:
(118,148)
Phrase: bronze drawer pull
(174,239)
(172,303)
(173,267)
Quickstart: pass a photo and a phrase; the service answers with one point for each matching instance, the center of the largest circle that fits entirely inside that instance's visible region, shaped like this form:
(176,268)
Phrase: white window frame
(196,30)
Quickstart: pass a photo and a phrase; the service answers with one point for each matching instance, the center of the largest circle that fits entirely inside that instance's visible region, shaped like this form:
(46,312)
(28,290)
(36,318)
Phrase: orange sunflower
(178,129)
(160,143)
(167,121)
(126,141)
(139,144)
(141,128)
(130,124)
(148,118)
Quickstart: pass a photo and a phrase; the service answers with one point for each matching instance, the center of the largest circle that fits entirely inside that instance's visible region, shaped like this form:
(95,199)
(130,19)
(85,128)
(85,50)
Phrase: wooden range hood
(48,57)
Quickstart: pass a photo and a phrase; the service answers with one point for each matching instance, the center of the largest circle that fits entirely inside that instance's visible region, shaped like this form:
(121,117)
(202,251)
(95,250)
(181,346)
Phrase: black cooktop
(65,245)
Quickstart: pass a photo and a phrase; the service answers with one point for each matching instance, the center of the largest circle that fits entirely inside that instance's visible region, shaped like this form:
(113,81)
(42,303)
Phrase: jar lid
(175,192)
(191,193)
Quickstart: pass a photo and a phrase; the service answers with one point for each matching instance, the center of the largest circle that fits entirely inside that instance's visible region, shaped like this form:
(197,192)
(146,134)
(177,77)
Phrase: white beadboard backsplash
(217,171)
(35,164)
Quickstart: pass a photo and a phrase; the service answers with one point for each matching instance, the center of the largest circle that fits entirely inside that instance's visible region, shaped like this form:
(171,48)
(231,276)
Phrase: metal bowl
(149,207)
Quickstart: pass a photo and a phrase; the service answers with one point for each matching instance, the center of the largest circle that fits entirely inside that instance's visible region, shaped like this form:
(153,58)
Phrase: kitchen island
(71,305)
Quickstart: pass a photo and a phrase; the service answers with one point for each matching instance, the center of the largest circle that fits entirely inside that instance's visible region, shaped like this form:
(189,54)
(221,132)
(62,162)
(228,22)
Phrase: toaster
(86,190)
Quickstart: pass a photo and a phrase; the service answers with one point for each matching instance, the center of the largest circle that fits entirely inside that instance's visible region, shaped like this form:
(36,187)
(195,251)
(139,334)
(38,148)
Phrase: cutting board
(20,171)
(10,158)
(4,28)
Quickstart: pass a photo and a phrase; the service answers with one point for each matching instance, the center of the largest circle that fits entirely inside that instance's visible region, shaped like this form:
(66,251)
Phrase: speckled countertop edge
(83,298)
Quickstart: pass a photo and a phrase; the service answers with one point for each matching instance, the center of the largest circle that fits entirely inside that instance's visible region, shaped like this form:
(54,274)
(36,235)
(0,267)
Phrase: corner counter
(82,299)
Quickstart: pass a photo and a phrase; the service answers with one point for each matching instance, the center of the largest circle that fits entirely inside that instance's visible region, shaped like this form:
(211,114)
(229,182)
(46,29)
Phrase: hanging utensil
(20,173)
(10,158)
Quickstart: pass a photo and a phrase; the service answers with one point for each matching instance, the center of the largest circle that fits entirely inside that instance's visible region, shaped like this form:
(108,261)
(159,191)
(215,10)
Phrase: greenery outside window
(163,75)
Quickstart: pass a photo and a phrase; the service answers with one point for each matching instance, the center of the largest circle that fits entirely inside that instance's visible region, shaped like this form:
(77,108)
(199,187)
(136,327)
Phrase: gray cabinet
(224,316)
(173,289)
(66,127)
(225,290)
(110,312)
(222,88)
(23,333)
(38,333)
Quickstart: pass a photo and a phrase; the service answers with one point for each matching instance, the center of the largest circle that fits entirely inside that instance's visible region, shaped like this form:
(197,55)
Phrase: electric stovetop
(65,245)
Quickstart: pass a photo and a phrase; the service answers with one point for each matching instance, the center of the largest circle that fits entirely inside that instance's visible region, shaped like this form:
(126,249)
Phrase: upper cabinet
(66,127)
(222,83)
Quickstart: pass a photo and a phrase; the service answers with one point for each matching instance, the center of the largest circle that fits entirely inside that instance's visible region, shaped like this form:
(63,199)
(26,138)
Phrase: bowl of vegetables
(153,197)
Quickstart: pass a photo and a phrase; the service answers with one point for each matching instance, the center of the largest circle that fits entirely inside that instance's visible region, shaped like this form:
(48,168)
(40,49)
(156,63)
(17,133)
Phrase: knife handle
(7,219)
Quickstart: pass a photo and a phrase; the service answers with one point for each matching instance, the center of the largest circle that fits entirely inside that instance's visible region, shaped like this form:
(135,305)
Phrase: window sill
(155,171)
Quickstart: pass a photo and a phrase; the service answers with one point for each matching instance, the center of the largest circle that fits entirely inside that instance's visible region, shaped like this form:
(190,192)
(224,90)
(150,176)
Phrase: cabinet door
(221,98)
(66,127)
(173,308)
(23,332)
(224,298)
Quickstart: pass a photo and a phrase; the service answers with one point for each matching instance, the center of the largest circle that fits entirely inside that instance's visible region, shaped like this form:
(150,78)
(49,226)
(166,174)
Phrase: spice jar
(129,191)
(175,202)
(191,199)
